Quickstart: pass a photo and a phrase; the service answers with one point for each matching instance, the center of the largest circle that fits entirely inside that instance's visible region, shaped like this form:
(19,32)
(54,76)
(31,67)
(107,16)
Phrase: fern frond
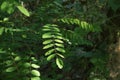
(82,24)
(53,43)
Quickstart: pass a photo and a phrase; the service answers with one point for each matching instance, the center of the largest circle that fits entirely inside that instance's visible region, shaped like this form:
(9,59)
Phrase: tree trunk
(115,62)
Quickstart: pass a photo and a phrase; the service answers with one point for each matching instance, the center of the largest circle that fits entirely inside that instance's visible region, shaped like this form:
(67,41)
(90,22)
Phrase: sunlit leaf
(71,21)
(55,29)
(59,63)
(77,21)
(58,37)
(34,58)
(60,55)
(47,41)
(35,78)
(59,45)
(4,5)
(8,7)
(23,10)
(5,19)
(60,50)
(1,30)
(17,58)
(35,66)
(84,24)
(46,29)
(51,57)
(49,52)
(58,40)
(51,27)
(47,35)
(48,46)
(35,73)
(59,34)
(87,26)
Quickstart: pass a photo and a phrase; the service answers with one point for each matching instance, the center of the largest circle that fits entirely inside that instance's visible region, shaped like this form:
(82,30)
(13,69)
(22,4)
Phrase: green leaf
(59,63)
(84,24)
(35,66)
(23,10)
(77,21)
(5,19)
(4,5)
(51,57)
(55,28)
(35,78)
(26,64)
(9,62)
(51,27)
(47,25)
(56,33)
(49,52)
(60,50)
(2,51)
(10,9)
(1,30)
(34,59)
(59,41)
(72,21)
(47,35)
(60,55)
(17,58)
(47,41)
(59,37)
(59,45)
(35,73)
(48,46)
(46,29)
(10,69)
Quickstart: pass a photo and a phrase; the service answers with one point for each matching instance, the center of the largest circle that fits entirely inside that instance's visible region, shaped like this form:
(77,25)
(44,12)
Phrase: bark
(115,61)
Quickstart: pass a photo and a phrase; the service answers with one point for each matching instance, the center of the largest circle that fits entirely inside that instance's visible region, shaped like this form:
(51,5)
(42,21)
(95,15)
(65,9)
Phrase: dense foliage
(58,39)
